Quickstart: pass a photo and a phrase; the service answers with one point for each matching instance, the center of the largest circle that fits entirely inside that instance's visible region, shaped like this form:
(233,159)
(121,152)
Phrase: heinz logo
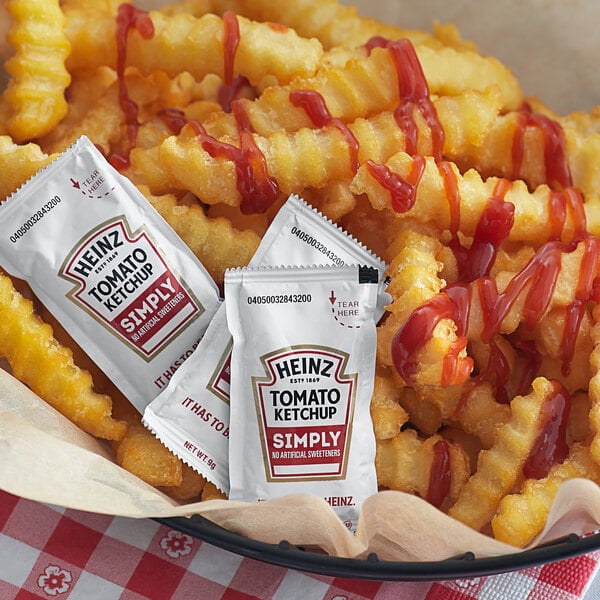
(121,279)
(98,251)
(305,404)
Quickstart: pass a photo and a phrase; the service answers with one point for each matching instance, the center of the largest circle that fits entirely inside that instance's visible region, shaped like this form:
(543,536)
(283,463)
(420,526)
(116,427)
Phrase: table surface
(53,552)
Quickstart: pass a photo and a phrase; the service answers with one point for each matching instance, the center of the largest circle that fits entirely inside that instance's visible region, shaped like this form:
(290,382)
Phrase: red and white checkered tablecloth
(51,552)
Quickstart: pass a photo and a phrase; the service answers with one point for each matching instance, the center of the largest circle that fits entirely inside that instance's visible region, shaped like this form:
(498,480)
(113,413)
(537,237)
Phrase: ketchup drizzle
(540,274)
(551,444)
(128,17)
(418,329)
(228,93)
(403,192)
(414,94)
(440,474)
(256,187)
(241,116)
(173,118)
(558,172)
(231,41)
(313,104)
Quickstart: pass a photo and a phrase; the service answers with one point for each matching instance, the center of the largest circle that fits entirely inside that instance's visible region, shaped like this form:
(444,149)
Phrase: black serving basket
(466,565)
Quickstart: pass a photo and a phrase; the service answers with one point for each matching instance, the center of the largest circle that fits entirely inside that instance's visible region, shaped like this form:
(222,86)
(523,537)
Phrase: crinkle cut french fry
(47,367)
(213,240)
(142,454)
(414,280)
(18,163)
(522,516)
(38,77)
(495,156)
(500,467)
(386,413)
(364,87)
(185,43)
(594,388)
(405,463)
(476,411)
(191,486)
(315,157)
(84,92)
(422,414)
(533,215)
(333,23)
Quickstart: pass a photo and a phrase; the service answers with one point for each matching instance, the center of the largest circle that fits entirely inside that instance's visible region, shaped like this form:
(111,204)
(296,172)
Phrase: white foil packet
(302,372)
(105,263)
(191,416)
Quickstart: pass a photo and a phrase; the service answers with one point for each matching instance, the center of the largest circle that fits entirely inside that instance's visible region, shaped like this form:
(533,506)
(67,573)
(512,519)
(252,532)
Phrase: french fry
(408,464)
(176,42)
(38,77)
(213,240)
(386,413)
(47,367)
(18,163)
(499,469)
(534,220)
(522,516)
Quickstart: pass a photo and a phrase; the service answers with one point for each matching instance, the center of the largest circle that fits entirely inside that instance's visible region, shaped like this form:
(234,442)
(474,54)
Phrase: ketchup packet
(302,372)
(112,271)
(191,416)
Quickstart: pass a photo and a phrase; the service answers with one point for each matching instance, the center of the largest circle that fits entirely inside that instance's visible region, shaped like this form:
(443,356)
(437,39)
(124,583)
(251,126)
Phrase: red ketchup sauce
(403,192)
(256,187)
(315,108)
(418,329)
(555,148)
(550,446)
(128,17)
(440,474)
(540,274)
(232,87)
(173,118)
(231,41)
(413,92)
(229,93)
(241,117)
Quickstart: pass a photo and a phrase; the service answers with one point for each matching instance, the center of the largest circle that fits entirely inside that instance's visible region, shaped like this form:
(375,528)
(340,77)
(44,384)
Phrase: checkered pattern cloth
(50,552)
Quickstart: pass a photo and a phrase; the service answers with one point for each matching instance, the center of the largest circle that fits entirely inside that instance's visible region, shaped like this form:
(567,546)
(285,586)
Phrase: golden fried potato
(142,454)
(18,163)
(38,77)
(47,367)
(213,240)
(500,468)
(522,516)
(432,468)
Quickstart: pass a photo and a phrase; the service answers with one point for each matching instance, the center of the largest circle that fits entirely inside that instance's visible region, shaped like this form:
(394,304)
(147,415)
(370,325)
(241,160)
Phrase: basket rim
(466,565)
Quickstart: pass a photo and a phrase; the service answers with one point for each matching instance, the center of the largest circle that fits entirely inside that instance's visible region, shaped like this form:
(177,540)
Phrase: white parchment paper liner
(44,457)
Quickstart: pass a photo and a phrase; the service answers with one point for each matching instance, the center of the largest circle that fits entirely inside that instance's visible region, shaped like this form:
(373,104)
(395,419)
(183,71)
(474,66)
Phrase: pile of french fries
(485,204)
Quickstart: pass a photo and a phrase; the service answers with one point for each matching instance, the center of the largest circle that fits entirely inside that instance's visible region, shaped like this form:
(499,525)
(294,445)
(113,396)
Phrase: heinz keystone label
(302,373)
(306,403)
(110,269)
(122,278)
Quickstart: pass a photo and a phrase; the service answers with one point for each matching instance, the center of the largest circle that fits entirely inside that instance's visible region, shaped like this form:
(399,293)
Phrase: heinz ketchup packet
(302,371)
(191,416)
(106,264)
